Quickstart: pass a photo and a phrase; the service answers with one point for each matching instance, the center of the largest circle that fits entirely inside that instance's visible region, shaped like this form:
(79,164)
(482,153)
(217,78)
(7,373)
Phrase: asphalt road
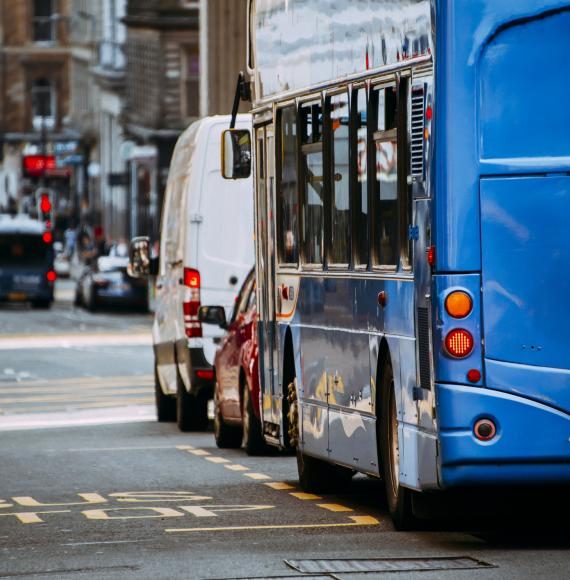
(91,486)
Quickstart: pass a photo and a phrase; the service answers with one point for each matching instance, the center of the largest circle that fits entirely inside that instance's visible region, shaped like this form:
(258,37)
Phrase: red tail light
(191,303)
(47,237)
(459,343)
(51,276)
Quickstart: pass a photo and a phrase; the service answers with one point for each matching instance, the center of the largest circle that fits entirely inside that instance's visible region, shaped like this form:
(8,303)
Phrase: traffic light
(45,207)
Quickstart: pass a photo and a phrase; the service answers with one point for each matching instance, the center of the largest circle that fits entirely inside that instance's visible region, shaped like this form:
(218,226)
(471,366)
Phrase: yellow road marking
(334,507)
(199,452)
(99,405)
(90,498)
(257,476)
(92,389)
(304,496)
(157,512)
(33,517)
(217,460)
(185,447)
(236,467)
(357,521)
(278,485)
(83,381)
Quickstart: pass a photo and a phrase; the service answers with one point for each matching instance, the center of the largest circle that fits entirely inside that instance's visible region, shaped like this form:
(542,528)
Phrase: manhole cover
(386,565)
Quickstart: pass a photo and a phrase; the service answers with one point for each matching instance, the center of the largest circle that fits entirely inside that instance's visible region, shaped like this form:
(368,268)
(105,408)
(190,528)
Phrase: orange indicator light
(459,304)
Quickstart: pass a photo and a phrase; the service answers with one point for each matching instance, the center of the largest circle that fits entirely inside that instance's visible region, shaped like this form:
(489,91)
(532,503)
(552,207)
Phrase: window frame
(278,177)
(51,19)
(329,166)
(303,151)
(379,136)
(356,264)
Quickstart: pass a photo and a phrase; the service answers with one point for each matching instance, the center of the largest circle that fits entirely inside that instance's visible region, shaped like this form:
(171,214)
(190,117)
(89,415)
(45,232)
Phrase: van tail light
(191,303)
(51,276)
(459,343)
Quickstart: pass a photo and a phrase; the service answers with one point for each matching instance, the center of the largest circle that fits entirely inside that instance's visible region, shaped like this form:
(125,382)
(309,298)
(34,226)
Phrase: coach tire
(226,436)
(399,498)
(165,404)
(253,441)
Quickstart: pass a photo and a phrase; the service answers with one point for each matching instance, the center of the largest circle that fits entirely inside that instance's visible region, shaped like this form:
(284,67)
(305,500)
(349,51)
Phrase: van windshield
(19,250)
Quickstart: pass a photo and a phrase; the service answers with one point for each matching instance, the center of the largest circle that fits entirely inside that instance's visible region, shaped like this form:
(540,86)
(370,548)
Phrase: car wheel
(253,441)
(41,304)
(91,302)
(399,498)
(315,475)
(165,404)
(227,436)
(191,410)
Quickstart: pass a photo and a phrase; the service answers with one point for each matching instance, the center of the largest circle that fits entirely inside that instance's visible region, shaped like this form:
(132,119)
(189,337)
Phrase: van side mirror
(213,315)
(140,262)
(236,154)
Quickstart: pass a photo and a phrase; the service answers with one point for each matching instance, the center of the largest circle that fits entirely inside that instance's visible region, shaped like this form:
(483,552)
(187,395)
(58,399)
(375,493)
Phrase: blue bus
(412,167)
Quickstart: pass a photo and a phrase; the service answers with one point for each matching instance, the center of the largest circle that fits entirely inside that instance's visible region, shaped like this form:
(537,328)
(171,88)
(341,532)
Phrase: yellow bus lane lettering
(90,498)
(4,504)
(157,496)
(155,512)
(211,511)
(33,517)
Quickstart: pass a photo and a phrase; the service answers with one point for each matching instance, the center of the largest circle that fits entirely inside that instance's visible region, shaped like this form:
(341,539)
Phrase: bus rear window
(22,250)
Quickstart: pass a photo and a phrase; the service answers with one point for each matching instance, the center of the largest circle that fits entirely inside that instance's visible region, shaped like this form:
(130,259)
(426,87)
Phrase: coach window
(311,116)
(359,143)
(288,188)
(385,197)
(340,190)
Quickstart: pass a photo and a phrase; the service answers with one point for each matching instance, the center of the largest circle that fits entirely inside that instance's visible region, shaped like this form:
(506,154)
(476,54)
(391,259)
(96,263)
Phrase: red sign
(36,165)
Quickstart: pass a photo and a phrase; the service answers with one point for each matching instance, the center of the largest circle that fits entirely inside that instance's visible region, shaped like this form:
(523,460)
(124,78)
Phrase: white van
(206,251)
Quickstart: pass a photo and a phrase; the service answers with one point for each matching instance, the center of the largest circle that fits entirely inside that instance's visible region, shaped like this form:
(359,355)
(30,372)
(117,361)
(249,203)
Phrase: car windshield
(110,264)
(22,250)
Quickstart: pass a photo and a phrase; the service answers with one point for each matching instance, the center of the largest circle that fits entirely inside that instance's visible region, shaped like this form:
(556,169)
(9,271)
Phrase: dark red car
(236,391)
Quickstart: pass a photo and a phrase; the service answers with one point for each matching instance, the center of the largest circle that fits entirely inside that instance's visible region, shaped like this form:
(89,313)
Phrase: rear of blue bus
(502,273)
(26,268)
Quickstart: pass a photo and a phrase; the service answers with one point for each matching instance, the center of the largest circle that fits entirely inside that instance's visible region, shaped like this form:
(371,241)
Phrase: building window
(44,21)
(361,222)
(191,81)
(43,105)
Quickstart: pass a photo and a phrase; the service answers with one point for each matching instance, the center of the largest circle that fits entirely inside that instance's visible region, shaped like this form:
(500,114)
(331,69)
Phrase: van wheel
(191,410)
(399,498)
(41,304)
(165,404)
(315,475)
(227,436)
(253,440)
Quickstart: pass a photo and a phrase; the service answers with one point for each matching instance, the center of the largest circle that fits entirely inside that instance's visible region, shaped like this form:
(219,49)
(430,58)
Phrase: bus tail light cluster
(459,343)
(191,303)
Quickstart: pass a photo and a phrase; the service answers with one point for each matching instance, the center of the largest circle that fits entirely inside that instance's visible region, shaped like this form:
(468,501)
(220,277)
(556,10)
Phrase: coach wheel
(399,498)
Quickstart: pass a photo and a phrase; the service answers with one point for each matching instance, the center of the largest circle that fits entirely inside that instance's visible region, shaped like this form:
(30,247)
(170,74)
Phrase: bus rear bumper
(531,446)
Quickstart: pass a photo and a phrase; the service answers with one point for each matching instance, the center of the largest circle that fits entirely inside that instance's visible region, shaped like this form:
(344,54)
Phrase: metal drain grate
(386,565)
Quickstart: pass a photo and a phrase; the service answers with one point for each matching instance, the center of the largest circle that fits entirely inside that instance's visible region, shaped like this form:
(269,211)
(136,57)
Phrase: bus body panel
(531,445)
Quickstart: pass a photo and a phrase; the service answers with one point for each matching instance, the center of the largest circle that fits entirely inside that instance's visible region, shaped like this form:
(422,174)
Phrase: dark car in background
(26,261)
(237,419)
(106,283)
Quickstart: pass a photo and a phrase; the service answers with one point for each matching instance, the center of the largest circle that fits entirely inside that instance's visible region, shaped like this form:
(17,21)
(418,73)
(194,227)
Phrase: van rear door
(225,251)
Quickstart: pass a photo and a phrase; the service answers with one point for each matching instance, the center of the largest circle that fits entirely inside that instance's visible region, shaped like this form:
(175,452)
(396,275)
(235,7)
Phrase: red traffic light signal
(45,203)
